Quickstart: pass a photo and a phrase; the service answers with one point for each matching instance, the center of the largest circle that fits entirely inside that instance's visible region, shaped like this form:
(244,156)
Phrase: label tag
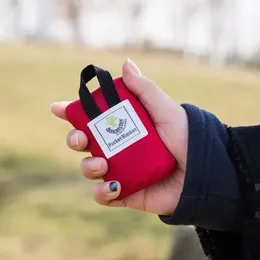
(117,128)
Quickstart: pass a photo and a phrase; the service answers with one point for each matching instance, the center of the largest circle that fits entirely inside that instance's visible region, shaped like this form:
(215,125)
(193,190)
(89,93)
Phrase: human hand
(171,123)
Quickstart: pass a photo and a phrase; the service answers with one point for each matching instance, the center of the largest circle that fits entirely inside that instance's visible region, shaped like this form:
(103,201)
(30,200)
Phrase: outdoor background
(206,52)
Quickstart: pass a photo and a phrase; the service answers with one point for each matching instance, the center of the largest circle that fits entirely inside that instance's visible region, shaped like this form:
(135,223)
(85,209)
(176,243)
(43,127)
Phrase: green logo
(115,125)
(111,121)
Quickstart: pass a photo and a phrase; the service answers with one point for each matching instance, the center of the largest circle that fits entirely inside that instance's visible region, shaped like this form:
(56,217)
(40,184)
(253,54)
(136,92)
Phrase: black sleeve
(211,196)
(244,151)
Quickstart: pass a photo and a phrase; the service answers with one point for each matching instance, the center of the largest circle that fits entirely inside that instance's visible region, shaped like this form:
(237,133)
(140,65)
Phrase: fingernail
(133,66)
(95,164)
(74,140)
(113,186)
(52,105)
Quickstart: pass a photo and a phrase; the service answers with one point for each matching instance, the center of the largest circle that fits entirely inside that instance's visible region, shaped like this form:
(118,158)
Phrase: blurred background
(206,52)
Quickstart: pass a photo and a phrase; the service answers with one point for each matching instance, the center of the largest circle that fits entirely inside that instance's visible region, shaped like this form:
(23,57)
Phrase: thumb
(157,103)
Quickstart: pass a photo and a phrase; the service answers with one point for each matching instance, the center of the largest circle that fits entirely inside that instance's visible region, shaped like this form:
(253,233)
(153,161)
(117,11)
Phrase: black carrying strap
(107,86)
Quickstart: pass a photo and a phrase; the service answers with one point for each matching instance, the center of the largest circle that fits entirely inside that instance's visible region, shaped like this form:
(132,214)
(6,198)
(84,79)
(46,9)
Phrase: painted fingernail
(113,186)
(74,140)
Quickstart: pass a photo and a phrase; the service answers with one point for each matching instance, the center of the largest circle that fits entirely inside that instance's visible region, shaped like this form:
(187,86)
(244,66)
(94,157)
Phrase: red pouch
(120,130)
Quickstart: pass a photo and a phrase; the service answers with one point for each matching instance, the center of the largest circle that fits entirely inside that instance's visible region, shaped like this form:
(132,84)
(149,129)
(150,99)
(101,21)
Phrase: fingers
(77,140)
(106,193)
(152,97)
(94,167)
(58,109)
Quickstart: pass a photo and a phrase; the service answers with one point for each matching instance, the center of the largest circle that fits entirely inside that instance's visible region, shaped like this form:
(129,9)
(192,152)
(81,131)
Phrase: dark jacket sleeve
(211,196)
(244,151)
(221,194)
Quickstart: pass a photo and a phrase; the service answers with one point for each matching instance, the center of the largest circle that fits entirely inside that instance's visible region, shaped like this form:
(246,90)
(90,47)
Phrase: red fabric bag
(120,130)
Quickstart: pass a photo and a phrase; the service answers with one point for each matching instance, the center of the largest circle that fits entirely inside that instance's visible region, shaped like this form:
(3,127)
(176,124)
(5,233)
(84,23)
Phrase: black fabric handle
(107,86)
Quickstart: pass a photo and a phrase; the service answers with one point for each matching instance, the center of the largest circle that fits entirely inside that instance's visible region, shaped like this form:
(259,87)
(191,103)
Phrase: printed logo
(116,126)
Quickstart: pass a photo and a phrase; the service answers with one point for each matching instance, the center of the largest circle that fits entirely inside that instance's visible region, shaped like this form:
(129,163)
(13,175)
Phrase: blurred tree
(136,9)
(73,15)
(192,16)
(15,5)
(71,12)
(218,49)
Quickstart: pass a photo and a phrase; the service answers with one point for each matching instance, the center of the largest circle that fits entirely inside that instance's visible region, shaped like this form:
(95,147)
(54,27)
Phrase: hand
(171,123)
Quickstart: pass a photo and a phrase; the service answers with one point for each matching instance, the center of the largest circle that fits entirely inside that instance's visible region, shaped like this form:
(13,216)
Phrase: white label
(117,128)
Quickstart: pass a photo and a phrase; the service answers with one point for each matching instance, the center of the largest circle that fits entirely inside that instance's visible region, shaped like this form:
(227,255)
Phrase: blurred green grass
(46,210)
